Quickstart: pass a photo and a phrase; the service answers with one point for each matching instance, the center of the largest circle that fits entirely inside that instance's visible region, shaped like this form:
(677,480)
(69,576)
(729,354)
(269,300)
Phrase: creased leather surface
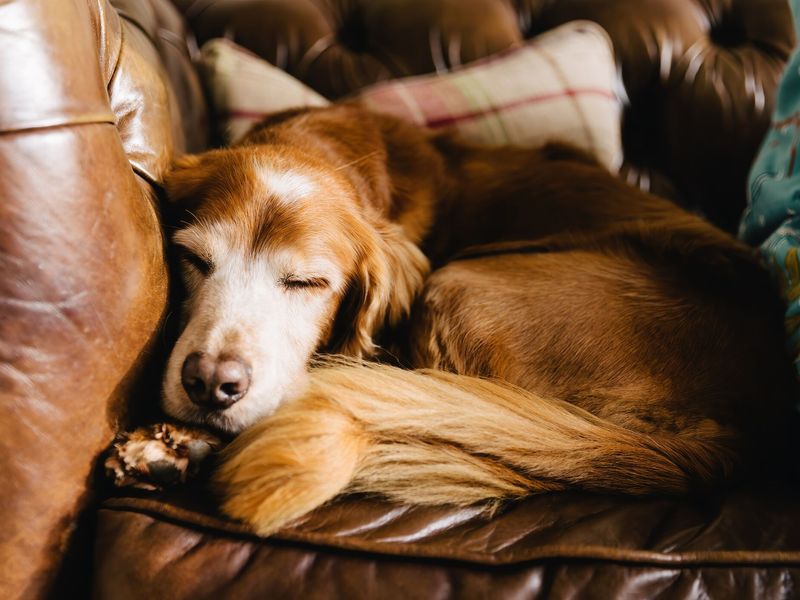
(745,542)
(700,75)
(83,98)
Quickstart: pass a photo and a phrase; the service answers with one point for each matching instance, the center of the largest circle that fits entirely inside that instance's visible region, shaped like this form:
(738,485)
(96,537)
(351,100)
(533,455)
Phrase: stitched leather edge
(58,122)
(183,517)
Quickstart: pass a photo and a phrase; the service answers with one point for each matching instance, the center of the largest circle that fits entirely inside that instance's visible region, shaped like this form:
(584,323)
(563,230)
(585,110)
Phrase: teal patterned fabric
(772,218)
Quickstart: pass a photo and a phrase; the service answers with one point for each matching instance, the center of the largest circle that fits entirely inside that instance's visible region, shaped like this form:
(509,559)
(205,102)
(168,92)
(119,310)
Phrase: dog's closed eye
(202,265)
(296,282)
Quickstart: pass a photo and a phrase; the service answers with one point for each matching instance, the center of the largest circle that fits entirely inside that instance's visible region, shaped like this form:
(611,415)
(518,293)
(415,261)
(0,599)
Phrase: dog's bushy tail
(430,437)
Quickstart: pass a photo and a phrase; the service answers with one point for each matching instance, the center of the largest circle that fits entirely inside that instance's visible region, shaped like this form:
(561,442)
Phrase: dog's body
(646,343)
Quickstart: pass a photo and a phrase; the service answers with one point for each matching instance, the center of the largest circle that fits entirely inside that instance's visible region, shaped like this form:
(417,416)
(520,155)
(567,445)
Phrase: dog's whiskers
(356,161)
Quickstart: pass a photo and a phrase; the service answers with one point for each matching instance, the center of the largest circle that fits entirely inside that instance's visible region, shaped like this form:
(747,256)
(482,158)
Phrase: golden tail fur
(431,437)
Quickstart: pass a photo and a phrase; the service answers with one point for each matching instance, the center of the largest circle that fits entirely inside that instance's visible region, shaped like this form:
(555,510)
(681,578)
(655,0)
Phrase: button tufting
(728,33)
(352,32)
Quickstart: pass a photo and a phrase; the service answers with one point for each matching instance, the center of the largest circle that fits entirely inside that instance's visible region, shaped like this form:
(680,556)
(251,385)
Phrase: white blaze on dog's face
(267,258)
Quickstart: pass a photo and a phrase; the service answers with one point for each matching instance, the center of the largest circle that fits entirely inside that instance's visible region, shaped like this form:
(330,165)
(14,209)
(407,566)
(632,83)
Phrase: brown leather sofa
(97,96)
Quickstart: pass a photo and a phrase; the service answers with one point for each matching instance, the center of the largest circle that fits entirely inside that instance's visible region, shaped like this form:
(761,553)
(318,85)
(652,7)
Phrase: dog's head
(280,258)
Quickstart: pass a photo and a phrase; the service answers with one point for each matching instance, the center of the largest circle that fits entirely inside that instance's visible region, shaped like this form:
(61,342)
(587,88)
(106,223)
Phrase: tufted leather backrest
(92,107)
(700,75)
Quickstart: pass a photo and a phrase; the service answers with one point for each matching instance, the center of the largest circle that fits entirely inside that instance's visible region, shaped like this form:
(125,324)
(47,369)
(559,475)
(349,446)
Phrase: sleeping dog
(558,328)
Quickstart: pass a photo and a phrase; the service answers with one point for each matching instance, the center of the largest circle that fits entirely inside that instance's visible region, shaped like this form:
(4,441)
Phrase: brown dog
(639,349)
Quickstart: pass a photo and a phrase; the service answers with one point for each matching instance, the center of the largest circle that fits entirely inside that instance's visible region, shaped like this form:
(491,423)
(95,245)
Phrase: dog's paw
(151,458)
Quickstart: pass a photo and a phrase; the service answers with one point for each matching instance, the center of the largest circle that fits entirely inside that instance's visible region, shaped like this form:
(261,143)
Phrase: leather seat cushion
(571,543)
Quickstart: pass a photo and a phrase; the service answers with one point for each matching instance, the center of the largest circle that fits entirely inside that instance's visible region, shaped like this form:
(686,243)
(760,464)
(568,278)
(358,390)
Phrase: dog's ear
(185,181)
(390,272)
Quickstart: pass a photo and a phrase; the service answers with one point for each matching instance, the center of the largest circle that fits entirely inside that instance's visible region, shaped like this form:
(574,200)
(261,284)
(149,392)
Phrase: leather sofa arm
(88,121)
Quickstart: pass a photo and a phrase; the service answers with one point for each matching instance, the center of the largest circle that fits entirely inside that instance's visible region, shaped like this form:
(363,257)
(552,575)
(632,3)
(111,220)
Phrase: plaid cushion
(560,86)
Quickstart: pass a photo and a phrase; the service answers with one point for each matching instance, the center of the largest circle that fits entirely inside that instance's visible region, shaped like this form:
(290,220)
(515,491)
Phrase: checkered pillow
(560,86)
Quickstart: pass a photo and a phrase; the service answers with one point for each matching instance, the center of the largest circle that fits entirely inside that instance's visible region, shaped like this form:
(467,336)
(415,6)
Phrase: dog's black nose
(215,383)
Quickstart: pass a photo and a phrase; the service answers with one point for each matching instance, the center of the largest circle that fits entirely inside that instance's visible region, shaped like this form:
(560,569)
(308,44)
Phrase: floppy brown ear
(390,272)
(185,180)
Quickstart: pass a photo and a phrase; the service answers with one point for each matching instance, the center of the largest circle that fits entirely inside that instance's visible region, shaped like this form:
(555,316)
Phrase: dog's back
(576,286)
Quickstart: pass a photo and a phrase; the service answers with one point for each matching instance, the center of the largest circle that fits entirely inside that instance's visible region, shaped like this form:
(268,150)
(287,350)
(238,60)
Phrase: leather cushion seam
(186,518)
